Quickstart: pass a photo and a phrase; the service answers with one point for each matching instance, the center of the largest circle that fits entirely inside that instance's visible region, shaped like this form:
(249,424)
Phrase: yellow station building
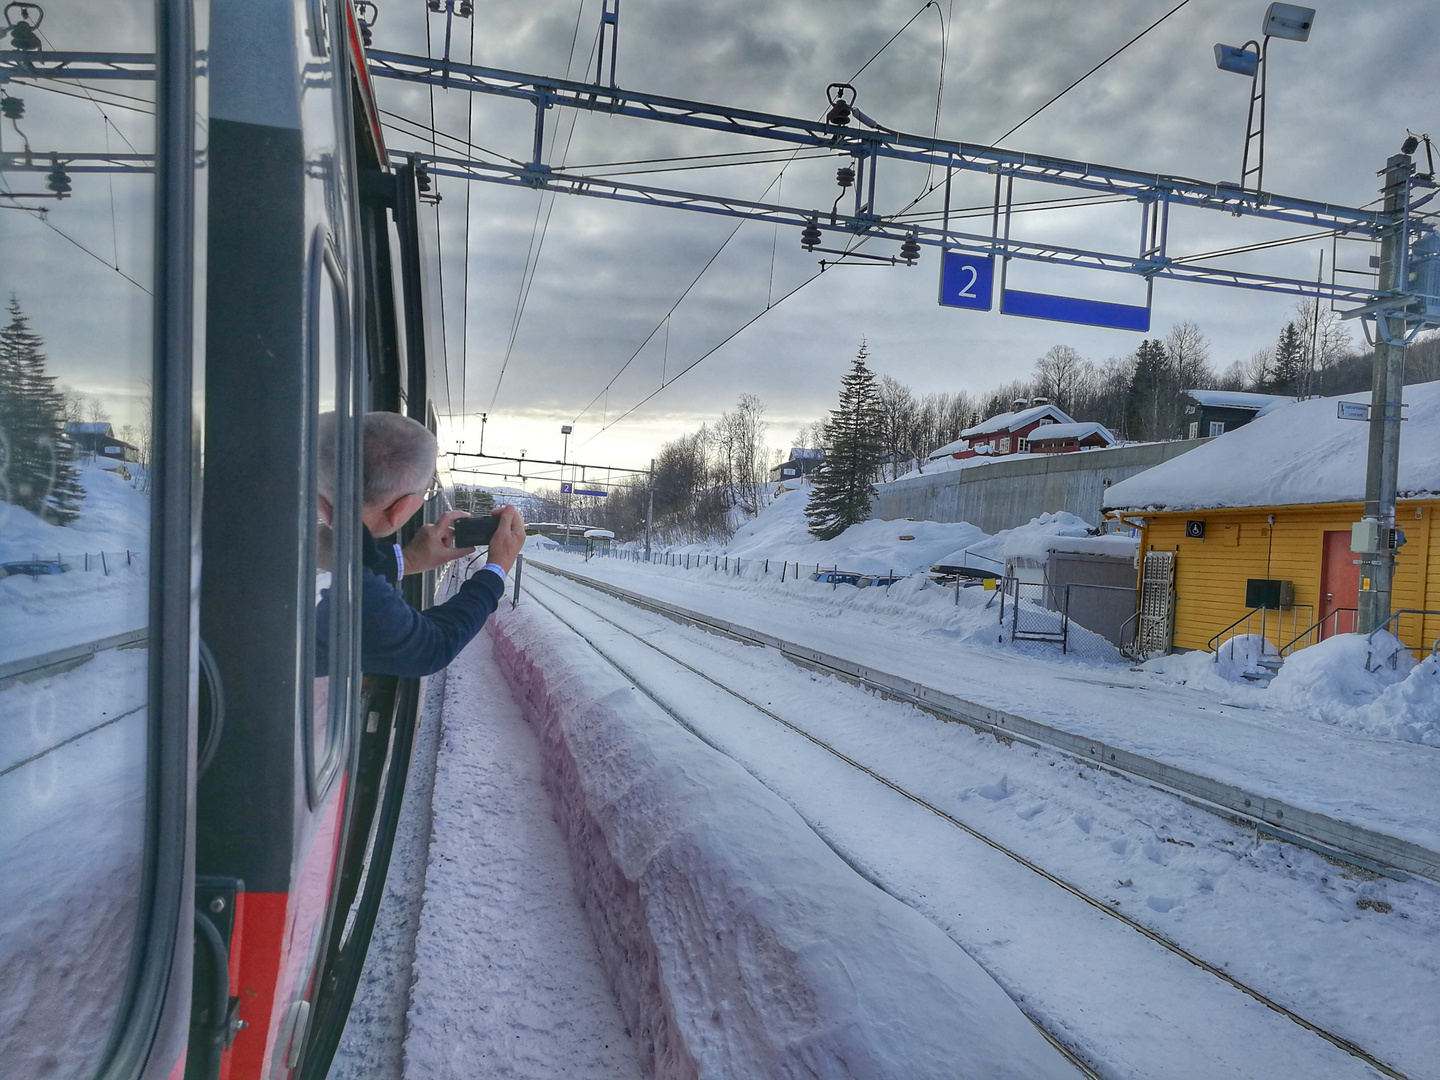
(1273,502)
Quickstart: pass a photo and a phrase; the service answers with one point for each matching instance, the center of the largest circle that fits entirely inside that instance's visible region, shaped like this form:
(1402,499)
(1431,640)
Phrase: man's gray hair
(399,453)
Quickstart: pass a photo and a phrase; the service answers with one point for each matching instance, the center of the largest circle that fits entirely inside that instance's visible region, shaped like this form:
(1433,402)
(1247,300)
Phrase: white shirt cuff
(399,563)
(496,568)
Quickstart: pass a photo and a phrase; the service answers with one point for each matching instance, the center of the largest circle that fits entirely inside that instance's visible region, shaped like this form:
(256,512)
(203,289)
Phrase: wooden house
(1273,502)
(1208,413)
(1004,433)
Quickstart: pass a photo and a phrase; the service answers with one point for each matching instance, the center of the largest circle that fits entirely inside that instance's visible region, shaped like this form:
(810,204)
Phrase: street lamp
(566,429)
(1290,22)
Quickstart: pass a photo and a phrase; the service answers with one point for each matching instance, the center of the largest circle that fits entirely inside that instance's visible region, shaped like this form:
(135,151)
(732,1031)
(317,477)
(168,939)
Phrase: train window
(329,336)
(77,454)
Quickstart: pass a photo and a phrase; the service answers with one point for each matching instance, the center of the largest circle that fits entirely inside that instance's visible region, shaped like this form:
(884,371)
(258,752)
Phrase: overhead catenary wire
(604,392)
(439,256)
(527,277)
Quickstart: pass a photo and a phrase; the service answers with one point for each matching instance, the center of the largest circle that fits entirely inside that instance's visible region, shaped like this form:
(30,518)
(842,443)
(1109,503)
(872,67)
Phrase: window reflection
(328,333)
(76,226)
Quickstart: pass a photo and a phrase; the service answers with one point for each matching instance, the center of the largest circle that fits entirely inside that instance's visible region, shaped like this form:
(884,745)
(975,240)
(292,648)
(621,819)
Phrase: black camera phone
(474,532)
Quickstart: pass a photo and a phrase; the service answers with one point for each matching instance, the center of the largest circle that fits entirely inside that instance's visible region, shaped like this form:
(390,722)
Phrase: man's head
(399,465)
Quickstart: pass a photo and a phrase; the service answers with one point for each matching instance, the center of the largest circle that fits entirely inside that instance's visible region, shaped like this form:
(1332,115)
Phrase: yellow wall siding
(1210,573)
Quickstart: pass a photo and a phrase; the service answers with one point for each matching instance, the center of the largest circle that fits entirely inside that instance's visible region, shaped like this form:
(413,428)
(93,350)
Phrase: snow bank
(1297,452)
(738,942)
(781,533)
(1060,531)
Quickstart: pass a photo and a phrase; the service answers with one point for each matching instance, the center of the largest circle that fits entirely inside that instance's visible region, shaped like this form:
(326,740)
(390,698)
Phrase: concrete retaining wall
(1003,494)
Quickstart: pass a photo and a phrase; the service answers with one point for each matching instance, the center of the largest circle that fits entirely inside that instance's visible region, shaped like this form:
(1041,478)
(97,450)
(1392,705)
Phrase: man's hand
(434,545)
(509,537)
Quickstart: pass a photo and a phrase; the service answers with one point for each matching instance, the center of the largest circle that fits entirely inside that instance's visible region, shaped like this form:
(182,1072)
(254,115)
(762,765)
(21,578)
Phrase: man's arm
(434,545)
(395,639)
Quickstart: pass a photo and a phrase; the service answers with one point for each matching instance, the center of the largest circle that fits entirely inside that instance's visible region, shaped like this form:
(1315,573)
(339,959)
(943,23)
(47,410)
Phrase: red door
(1339,584)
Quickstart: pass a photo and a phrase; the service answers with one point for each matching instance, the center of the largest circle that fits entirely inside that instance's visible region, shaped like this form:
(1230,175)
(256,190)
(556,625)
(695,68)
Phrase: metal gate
(1157,603)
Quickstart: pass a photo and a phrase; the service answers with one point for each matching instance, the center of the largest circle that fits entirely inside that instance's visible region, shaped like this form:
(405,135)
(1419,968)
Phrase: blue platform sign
(596,494)
(967,280)
(1071,309)
(565,487)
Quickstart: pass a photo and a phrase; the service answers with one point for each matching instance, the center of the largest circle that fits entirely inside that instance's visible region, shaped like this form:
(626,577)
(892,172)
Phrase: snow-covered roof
(800,453)
(74,428)
(1081,430)
(1297,452)
(948,449)
(1235,399)
(1009,421)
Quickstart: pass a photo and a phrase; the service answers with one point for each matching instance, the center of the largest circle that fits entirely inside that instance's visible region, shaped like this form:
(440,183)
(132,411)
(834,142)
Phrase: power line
(1092,71)
(439,256)
(769,305)
(527,276)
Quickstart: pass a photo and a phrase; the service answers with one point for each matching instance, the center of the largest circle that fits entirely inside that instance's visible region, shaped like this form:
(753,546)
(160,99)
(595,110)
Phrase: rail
(1247,621)
(60,659)
(1395,620)
(1332,836)
(1317,628)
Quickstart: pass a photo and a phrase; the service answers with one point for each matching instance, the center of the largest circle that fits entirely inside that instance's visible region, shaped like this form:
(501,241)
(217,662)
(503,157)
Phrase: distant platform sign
(566,488)
(1071,309)
(597,494)
(1352,410)
(967,280)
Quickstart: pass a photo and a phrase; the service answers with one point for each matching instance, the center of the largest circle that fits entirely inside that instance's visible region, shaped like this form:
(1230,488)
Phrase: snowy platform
(1385,788)
(484,942)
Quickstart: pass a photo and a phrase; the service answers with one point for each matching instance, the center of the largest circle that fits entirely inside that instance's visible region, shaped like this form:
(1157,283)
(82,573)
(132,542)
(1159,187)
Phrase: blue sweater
(395,639)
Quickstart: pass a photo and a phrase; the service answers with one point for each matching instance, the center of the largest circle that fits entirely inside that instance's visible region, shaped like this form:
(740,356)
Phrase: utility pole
(650,512)
(1373,540)
(565,430)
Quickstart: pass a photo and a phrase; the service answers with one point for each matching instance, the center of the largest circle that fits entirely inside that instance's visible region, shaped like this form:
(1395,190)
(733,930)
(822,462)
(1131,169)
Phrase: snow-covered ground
(39,614)
(1350,951)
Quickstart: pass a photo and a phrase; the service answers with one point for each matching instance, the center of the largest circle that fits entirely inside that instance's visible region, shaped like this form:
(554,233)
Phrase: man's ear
(401,511)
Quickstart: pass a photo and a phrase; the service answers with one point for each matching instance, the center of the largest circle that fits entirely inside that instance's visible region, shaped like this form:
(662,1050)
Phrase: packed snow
(96,597)
(738,943)
(1297,452)
(1345,949)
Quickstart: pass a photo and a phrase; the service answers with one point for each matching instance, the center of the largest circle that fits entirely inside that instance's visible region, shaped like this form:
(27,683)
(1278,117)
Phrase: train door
(101,180)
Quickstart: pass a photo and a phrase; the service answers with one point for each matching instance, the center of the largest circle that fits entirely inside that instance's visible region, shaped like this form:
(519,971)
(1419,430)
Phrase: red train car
(206,248)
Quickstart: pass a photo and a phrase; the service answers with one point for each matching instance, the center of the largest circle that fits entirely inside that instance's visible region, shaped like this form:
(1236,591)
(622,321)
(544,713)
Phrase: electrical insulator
(23,37)
(839,113)
(466,9)
(810,235)
(844,176)
(422,178)
(910,249)
(437,6)
(13,108)
(58,180)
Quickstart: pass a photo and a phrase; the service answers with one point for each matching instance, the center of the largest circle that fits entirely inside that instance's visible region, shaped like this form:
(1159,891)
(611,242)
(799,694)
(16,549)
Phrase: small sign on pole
(565,487)
(1352,410)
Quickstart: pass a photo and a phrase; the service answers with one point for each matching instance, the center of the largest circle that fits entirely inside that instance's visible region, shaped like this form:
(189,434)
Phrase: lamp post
(565,430)
(1288,21)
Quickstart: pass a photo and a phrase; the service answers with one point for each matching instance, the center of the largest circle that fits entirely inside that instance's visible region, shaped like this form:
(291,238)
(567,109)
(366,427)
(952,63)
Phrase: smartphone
(474,532)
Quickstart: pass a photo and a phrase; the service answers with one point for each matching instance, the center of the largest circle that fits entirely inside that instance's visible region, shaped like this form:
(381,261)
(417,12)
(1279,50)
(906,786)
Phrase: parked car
(839,577)
(33,567)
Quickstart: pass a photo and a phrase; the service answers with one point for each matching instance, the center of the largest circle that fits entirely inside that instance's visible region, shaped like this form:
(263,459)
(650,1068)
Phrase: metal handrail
(1285,649)
(1215,641)
(1394,618)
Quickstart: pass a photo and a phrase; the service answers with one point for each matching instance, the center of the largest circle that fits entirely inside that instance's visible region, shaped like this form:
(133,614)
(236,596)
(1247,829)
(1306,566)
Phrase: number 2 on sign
(966,289)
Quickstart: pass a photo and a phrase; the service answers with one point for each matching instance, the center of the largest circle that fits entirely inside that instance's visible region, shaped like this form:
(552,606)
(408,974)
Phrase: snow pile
(1408,710)
(738,943)
(1297,452)
(1376,687)
(1060,531)
(781,533)
(38,614)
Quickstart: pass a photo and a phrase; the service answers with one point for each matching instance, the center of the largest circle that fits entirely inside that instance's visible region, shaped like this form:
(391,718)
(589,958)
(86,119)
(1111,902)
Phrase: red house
(1010,432)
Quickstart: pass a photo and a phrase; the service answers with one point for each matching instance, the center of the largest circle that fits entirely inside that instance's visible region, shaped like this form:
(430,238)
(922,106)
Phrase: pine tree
(844,488)
(1290,361)
(1148,386)
(36,470)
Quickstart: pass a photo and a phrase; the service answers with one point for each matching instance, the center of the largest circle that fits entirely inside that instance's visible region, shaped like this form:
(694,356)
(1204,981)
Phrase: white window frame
(1217,427)
(1194,429)
(1005,445)
(1022,446)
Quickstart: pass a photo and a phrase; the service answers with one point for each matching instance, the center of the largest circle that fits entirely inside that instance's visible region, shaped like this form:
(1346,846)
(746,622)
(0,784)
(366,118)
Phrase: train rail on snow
(1338,1041)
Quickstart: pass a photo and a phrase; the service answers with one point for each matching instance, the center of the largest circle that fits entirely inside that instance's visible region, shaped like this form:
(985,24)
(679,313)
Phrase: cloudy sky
(607,273)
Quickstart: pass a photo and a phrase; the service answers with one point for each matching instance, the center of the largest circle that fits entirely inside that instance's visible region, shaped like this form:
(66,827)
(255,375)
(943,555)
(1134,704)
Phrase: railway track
(1097,904)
